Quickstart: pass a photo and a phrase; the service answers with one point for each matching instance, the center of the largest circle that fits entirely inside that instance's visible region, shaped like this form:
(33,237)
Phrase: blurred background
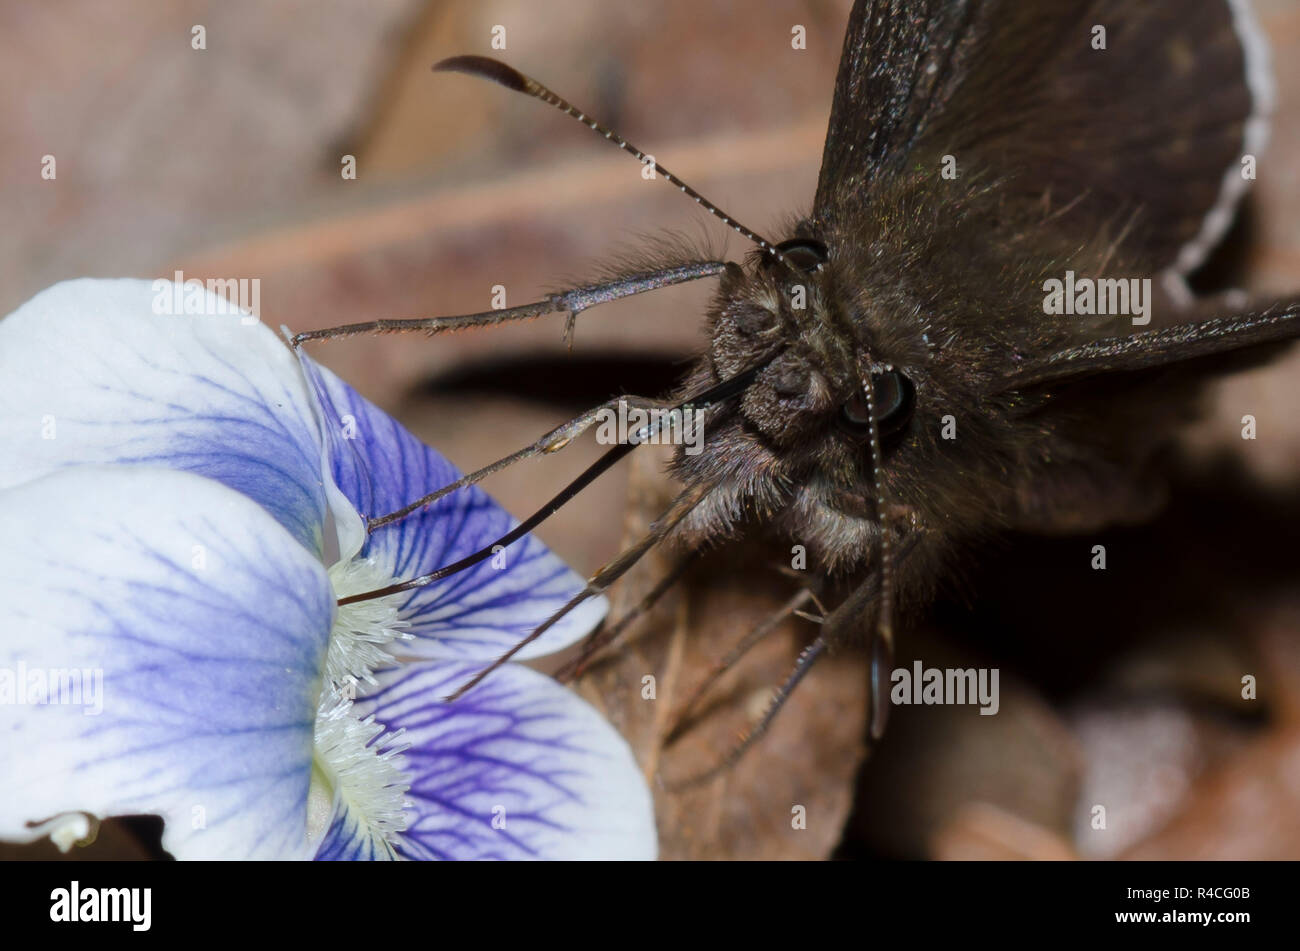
(1119,688)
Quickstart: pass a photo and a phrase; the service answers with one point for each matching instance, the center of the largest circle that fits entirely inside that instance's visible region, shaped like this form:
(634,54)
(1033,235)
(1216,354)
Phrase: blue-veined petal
(518,768)
(91,372)
(475,614)
(207,624)
(348,840)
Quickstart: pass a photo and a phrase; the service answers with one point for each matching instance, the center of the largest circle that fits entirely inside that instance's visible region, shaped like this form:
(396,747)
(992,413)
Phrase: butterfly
(982,324)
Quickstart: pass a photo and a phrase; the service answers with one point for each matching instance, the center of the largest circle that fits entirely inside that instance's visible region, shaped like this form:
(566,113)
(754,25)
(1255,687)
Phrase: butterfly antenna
(882,644)
(686,719)
(487,68)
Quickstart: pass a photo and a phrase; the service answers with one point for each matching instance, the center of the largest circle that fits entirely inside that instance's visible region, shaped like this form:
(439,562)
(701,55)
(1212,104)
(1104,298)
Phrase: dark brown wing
(1197,341)
(1147,133)
(902,60)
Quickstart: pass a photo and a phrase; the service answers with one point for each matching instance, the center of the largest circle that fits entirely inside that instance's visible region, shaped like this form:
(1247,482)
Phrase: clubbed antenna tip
(486,68)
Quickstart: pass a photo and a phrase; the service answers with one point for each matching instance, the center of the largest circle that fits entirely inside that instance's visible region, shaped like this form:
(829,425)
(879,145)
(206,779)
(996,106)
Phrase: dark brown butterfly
(925,358)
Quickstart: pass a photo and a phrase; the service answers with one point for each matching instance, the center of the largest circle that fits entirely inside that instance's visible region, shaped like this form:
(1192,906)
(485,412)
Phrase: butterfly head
(797,446)
(785,309)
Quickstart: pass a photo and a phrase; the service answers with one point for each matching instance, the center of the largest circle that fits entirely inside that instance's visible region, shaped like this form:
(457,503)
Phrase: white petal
(195,628)
(91,372)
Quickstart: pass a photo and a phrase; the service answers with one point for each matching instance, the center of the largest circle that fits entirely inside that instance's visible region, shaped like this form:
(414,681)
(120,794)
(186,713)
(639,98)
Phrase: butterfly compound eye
(805,255)
(895,397)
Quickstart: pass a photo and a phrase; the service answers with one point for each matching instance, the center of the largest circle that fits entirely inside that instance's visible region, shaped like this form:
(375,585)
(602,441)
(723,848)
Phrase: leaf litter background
(1119,688)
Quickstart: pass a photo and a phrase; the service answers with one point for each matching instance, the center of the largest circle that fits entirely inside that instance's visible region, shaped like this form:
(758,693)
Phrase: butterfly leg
(842,626)
(604,636)
(792,607)
(571,302)
(602,579)
(809,656)
(553,441)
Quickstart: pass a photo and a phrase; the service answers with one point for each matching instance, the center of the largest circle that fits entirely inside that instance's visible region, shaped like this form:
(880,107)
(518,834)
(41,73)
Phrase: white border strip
(1259,79)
